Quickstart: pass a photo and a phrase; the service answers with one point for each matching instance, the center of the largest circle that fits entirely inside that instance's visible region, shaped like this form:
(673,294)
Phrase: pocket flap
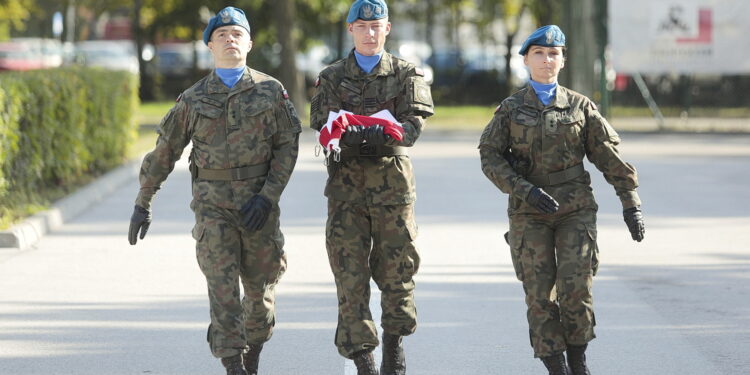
(210,108)
(198,230)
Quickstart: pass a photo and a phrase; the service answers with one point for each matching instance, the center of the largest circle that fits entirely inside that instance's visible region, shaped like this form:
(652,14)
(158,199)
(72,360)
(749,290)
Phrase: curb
(27,233)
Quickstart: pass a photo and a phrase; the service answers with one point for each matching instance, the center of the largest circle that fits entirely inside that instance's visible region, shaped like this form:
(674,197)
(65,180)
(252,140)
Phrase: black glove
(542,201)
(353,135)
(255,212)
(511,159)
(374,135)
(634,220)
(140,221)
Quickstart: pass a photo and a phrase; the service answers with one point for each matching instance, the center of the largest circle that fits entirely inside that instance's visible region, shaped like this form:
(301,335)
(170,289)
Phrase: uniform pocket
(594,247)
(198,231)
(516,247)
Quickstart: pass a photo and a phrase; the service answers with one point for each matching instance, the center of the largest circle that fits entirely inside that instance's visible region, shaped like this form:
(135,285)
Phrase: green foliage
(57,128)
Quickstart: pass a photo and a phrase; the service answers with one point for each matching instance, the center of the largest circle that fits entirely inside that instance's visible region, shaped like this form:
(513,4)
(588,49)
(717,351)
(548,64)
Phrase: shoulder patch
(317,82)
(419,72)
(286,94)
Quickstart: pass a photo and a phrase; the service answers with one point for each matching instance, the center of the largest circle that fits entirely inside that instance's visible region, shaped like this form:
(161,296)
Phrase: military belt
(558,177)
(373,150)
(233,174)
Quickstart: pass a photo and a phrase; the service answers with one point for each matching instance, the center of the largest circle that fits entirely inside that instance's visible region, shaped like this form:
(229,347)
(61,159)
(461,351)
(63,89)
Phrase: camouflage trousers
(229,255)
(372,241)
(556,256)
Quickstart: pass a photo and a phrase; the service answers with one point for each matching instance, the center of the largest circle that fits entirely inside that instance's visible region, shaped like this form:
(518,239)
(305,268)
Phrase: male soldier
(370,230)
(533,149)
(245,135)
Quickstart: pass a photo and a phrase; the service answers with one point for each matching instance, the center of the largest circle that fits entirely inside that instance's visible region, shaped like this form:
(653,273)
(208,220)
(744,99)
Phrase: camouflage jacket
(393,84)
(252,123)
(548,139)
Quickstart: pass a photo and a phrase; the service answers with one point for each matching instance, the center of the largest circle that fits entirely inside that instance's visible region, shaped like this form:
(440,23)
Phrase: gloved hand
(140,221)
(374,135)
(634,220)
(542,201)
(511,159)
(353,135)
(255,212)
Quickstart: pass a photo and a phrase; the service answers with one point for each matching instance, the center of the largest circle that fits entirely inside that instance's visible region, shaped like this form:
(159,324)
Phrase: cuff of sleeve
(274,198)
(144,198)
(629,199)
(522,188)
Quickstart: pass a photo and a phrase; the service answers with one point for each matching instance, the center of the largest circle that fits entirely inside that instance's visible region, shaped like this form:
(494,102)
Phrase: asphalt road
(86,302)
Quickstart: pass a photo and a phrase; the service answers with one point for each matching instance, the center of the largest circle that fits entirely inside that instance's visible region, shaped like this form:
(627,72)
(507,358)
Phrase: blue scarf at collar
(544,91)
(367,63)
(230,76)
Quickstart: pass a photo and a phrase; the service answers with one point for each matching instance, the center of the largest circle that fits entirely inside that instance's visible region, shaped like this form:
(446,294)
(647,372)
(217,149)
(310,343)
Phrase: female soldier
(532,150)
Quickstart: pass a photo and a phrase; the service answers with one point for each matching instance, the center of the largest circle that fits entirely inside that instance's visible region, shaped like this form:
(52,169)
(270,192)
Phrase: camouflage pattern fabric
(371,228)
(250,124)
(351,231)
(555,255)
(228,254)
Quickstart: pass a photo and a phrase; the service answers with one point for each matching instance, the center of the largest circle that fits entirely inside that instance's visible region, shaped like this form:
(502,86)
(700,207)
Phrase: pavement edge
(26,234)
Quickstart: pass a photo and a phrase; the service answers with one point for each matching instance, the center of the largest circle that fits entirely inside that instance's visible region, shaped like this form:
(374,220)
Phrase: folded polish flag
(330,134)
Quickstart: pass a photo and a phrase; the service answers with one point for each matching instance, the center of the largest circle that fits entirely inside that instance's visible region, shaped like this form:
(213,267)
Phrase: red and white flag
(330,134)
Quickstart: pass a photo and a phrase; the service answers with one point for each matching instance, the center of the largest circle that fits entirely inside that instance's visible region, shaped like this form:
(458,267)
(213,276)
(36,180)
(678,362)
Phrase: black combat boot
(556,364)
(394,362)
(577,359)
(365,363)
(233,365)
(251,357)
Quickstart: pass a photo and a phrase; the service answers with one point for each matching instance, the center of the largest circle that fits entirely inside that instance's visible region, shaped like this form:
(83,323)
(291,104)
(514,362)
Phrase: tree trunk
(284,13)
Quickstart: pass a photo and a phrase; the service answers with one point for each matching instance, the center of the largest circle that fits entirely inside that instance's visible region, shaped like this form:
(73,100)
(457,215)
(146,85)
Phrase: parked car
(108,54)
(19,56)
(49,50)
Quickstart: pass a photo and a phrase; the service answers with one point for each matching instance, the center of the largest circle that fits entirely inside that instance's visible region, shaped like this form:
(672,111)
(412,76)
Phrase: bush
(58,128)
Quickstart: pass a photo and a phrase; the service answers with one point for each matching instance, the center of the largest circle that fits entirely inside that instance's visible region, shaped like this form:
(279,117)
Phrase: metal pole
(649,100)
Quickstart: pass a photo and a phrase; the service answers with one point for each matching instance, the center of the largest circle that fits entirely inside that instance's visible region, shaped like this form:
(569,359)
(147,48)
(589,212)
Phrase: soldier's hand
(139,222)
(634,220)
(511,159)
(255,212)
(353,135)
(542,201)
(374,135)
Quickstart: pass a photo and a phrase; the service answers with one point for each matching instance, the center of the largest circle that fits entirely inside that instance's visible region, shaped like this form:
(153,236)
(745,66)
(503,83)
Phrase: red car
(18,56)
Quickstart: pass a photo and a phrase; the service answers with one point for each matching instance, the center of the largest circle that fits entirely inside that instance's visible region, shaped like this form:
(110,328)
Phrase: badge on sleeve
(286,94)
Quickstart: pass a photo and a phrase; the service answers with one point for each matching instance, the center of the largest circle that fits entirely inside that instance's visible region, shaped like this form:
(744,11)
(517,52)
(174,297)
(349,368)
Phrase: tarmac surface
(83,301)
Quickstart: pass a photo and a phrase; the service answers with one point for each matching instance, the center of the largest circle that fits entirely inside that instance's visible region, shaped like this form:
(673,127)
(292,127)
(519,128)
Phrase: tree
(13,14)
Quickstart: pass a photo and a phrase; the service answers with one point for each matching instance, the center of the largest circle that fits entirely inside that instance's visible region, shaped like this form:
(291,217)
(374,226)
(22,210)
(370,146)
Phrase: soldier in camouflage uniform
(245,133)
(371,229)
(533,150)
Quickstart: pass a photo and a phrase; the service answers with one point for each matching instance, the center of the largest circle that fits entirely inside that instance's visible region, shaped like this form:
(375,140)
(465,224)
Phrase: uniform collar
(560,101)
(384,67)
(216,86)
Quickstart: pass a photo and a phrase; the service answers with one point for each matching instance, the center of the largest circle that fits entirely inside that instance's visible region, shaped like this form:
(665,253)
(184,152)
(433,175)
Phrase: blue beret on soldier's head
(547,36)
(367,10)
(226,16)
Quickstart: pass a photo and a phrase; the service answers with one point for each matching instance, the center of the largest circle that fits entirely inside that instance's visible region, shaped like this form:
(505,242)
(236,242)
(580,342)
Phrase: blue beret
(367,10)
(226,16)
(547,36)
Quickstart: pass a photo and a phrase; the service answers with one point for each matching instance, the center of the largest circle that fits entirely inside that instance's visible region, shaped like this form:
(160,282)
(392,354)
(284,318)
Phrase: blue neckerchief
(544,91)
(367,63)
(230,76)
